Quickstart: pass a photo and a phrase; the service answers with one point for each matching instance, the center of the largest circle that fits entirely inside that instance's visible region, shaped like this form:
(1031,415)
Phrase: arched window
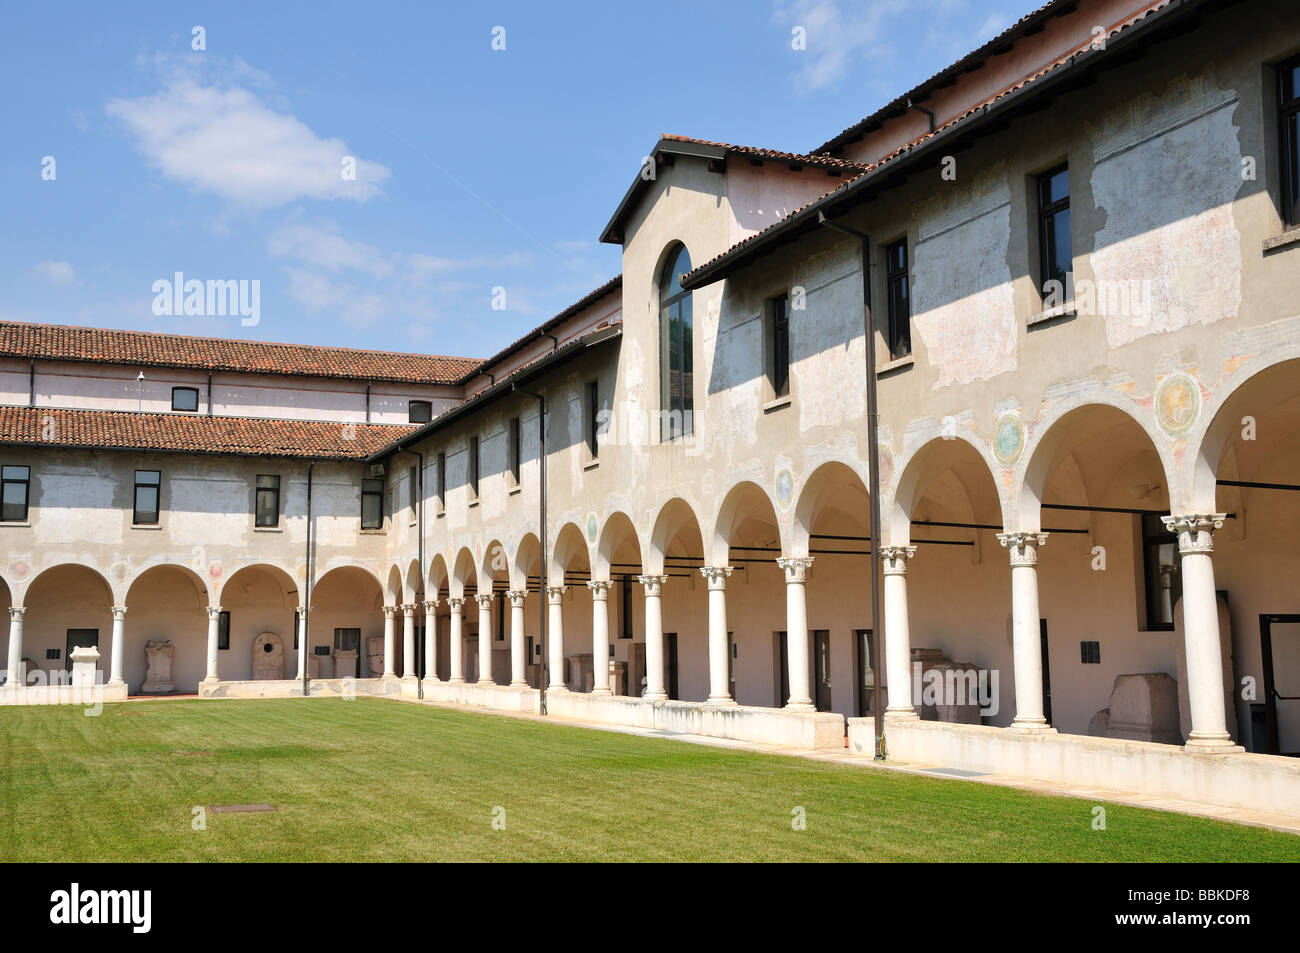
(677,403)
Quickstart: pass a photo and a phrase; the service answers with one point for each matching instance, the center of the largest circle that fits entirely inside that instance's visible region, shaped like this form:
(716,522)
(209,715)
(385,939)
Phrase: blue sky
(475,168)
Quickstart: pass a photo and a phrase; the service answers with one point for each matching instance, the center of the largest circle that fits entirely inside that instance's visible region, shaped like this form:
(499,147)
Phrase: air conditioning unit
(376,469)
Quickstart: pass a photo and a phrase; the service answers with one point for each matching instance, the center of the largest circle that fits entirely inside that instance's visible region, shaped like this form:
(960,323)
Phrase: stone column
(119,646)
(390,634)
(408,641)
(898,636)
(214,623)
(599,636)
(431,640)
(718,662)
(1026,642)
(555,637)
(518,648)
(455,643)
(301,613)
(1201,631)
(796,630)
(654,638)
(484,637)
(14,672)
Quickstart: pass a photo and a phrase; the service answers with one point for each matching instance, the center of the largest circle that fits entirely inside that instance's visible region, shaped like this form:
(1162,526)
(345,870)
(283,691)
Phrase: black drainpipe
(31,385)
(209,393)
(419,558)
(310,583)
(368,401)
(873,423)
(541,576)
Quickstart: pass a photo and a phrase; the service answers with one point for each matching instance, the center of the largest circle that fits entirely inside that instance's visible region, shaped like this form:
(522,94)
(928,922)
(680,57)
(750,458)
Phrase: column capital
(1195,530)
(1023,547)
(653,585)
(16,613)
(430,605)
(517,597)
(390,612)
(599,589)
(408,610)
(214,612)
(484,599)
(455,603)
(717,575)
(555,593)
(894,559)
(119,612)
(795,567)
(300,611)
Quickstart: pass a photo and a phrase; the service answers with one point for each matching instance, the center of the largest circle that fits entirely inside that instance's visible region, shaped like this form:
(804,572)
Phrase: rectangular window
(223,630)
(412,489)
(1161,567)
(268,500)
(17,483)
(185,399)
(501,616)
(676,340)
(372,504)
(419,411)
(1090,653)
(442,483)
(593,418)
(347,640)
(900,301)
(473,468)
(625,603)
(148,485)
(1055,252)
(1288,82)
(515,451)
(779,346)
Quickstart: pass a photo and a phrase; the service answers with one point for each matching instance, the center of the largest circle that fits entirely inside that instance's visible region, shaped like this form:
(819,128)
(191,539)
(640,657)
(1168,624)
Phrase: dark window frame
(258,490)
(185,410)
(372,491)
(625,600)
(156,486)
(676,312)
(1288,118)
(223,630)
(1155,535)
(593,418)
(442,483)
(25,483)
(778,372)
(1048,211)
(501,617)
(425,414)
(898,293)
(514,449)
(413,490)
(472,473)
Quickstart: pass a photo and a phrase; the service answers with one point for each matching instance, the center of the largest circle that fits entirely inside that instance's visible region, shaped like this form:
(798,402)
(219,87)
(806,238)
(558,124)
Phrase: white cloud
(215,134)
(58,272)
(835,38)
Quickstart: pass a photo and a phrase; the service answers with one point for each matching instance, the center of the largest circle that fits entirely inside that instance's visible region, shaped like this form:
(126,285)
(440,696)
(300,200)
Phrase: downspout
(309,584)
(873,424)
(921,109)
(31,385)
(419,558)
(541,573)
(368,383)
(209,393)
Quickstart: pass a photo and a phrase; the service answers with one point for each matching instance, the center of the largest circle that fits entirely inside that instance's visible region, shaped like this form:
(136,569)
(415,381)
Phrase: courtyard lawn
(373,779)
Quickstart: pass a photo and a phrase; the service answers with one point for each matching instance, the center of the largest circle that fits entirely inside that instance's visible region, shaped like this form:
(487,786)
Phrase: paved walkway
(1280,822)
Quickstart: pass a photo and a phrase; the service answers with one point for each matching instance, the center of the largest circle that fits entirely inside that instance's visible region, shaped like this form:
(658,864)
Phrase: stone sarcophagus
(158,677)
(1143,707)
(268,657)
(375,655)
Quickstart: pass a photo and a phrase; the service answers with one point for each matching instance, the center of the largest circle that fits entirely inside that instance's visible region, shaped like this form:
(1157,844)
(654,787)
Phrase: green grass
(370,779)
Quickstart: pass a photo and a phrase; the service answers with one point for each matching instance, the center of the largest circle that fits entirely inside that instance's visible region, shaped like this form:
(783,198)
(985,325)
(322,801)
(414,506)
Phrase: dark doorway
(1279,639)
(822,677)
(866,681)
(731,666)
(782,666)
(670,639)
(79,639)
(1047,670)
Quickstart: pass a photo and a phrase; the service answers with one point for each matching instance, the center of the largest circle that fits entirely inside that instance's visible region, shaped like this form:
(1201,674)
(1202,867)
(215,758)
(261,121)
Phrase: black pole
(306,596)
(541,535)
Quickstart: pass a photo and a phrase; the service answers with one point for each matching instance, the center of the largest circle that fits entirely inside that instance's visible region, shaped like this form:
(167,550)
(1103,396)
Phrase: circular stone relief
(591,527)
(1177,403)
(784,487)
(1008,439)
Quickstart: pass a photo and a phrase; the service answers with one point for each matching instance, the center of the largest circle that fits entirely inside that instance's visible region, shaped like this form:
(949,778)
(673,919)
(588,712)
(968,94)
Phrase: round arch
(276,574)
(463,573)
(618,543)
(747,512)
(527,563)
(571,553)
(439,576)
(675,527)
(834,487)
(974,472)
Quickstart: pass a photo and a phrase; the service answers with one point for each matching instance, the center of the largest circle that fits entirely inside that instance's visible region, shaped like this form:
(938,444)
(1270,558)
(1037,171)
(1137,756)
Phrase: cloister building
(1018,353)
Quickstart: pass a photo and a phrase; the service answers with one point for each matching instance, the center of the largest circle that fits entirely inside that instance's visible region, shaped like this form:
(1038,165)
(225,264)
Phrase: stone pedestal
(961,710)
(85,664)
(345,662)
(374,655)
(1143,707)
(158,678)
(268,657)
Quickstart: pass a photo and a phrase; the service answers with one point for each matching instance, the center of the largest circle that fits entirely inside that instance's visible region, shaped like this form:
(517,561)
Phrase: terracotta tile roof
(239,436)
(149,349)
(903,151)
(791,158)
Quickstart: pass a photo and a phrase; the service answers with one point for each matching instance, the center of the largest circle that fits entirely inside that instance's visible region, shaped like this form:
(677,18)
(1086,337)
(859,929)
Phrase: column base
(116,683)
(721,701)
(1211,743)
(409,678)
(901,714)
(485,681)
(1038,726)
(429,680)
(557,689)
(456,680)
(800,705)
(601,691)
(655,696)
(518,683)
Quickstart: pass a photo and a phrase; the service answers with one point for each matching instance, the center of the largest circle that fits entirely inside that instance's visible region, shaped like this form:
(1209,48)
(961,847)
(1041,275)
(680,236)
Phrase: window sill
(147,526)
(1290,237)
(515,490)
(895,364)
(776,404)
(16,524)
(472,504)
(1066,310)
(373,532)
(590,465)
(268,529)
(439,516)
